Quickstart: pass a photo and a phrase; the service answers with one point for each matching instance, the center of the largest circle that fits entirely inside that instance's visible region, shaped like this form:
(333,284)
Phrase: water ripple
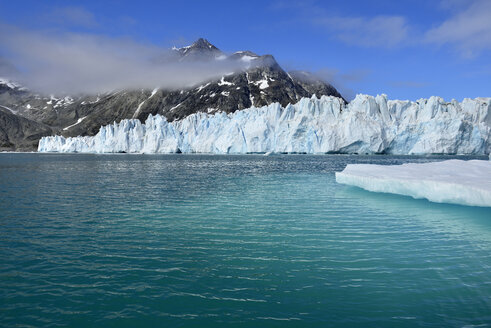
(89,240)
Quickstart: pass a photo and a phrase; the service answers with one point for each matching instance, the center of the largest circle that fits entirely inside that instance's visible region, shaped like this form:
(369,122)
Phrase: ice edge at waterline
(452,181)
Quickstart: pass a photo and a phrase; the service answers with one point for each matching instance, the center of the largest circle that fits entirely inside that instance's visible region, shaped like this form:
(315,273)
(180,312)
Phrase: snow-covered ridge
(452,181)
(366,125)
(10,84)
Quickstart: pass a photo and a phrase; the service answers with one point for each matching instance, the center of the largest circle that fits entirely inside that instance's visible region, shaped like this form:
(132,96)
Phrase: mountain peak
(203,43)
(200,49)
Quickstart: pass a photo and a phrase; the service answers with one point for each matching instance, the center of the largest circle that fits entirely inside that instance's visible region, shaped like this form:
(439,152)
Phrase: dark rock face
(261,82)
(19,133)
(201,49)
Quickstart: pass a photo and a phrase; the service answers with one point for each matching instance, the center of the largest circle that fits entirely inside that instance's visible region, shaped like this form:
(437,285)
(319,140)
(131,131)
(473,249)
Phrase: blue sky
(406,49)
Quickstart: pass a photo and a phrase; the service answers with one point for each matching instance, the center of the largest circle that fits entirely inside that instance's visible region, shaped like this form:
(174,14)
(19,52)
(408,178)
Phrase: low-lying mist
(71,63)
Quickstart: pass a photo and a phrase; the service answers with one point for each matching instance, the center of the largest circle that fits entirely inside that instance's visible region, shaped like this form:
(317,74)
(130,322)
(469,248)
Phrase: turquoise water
(231,241)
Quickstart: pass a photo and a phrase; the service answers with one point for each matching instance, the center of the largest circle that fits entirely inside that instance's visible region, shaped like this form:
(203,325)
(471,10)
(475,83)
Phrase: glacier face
(452,181)
(366,125)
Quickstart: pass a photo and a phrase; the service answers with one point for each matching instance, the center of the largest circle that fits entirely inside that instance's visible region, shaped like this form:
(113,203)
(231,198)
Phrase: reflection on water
(454,220)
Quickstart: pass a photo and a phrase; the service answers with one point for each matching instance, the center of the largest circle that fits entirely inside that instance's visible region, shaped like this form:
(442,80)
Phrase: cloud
(87,63)
(453,5)
(378,31)
(468,29)
(467,26)
(384,31)
(342,80)
(7,68)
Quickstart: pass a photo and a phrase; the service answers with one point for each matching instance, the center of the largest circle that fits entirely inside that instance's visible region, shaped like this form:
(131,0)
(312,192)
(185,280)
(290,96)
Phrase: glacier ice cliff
(452,181)
(366,125)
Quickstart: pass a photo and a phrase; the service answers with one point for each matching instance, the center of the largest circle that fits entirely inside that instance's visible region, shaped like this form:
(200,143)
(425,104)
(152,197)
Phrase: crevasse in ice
(366,125)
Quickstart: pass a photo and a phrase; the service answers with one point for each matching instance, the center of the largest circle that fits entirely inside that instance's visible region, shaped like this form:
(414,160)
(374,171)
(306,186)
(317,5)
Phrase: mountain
(199,50)
(261,82)
(326,125)
(19,133)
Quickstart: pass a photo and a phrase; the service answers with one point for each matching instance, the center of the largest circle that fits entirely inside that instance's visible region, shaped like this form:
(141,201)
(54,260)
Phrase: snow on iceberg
(365,125)
(452,181)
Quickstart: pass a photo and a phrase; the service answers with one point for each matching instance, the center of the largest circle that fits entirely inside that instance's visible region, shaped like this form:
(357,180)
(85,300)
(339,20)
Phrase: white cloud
(384,31)
(343,81)
(88,63)
(378,31)
(467,26)
(468,29)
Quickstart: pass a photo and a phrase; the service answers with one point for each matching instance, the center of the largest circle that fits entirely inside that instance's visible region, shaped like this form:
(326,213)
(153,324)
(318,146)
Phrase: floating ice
(452,181)
(367,125)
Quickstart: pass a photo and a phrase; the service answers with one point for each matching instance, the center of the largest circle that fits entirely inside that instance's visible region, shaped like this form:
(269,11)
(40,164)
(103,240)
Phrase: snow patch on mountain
(223,82)
(78,122)
(12,85)
(9,109)
(263,84)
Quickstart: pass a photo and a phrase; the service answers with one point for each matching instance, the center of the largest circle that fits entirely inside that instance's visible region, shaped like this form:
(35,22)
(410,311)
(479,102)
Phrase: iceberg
(452,181)
(367,125)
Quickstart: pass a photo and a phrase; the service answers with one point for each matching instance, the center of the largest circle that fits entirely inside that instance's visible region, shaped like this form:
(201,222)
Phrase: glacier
(452,181)
(366,125)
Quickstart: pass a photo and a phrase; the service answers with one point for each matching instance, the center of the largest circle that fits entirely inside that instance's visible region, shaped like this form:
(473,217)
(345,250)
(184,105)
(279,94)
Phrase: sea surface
(231,241)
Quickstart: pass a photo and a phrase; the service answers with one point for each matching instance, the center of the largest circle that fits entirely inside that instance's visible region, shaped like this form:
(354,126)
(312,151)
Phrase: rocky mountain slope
(261,82)
(19,133)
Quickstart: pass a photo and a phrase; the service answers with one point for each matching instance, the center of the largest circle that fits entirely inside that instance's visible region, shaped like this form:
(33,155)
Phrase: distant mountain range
(26,116)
